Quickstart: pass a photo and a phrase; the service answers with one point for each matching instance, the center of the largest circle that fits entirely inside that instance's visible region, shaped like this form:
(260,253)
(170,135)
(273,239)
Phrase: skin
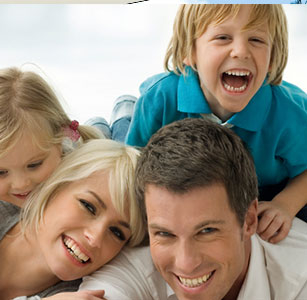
(24,167)
(82,211)
(231,49)
(196,234)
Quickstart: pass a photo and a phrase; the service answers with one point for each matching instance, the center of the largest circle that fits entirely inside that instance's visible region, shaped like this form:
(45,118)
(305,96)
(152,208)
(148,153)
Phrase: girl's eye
(118,233)
(222,37)
(90,207)
(35,165)
(3,173)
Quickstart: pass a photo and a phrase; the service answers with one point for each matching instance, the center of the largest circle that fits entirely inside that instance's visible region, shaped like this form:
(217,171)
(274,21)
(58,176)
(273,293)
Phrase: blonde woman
(74,223)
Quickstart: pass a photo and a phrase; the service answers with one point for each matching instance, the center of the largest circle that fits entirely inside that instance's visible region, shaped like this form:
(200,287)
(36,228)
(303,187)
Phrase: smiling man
(197,185)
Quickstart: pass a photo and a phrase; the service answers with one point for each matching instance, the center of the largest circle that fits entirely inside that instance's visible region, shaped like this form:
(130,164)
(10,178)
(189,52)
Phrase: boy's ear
(251,220)
(187,62)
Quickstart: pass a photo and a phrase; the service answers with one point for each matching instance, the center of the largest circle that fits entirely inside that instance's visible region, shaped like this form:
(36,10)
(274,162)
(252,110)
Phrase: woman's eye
(35,165)
(3,173)
(118,233)
(90,207)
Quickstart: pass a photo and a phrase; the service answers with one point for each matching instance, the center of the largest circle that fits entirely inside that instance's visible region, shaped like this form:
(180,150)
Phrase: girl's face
(24,167)
(81,230)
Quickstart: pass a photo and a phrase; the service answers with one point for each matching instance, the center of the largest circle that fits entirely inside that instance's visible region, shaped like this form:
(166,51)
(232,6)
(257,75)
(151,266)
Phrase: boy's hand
(274,221)
(80,295)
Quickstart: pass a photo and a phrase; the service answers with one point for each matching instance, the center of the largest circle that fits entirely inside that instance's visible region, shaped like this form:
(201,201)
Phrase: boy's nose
(240,50)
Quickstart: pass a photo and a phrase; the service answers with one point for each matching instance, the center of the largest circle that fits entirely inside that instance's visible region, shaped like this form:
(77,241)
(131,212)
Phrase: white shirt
(276,272)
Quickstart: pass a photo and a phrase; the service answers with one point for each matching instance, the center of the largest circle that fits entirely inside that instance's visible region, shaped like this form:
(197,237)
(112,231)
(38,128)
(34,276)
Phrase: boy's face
(232,64)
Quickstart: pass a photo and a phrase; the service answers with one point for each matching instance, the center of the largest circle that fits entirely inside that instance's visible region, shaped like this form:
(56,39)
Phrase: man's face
(196,241)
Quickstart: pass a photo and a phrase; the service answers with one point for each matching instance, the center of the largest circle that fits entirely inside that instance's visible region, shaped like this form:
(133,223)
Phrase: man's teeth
(234,89)
(238,73)
(194,282)
(75,251)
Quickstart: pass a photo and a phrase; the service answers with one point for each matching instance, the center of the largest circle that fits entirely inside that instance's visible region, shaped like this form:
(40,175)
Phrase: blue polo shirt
(273,124)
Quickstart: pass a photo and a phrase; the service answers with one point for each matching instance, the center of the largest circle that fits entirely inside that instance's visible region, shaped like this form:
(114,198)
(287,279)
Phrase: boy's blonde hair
(192,21)
(116,159)
(28,103)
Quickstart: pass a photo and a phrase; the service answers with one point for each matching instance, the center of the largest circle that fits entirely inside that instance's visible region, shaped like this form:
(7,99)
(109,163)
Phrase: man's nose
(187,257)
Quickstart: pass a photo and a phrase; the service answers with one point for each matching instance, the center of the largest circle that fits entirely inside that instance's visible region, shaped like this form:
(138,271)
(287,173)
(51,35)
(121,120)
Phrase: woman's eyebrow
(104,206)
(100,201)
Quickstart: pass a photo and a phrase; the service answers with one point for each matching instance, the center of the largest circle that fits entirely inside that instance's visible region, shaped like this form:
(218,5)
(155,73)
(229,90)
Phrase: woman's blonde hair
(192,21)
(28,103)
(116,159)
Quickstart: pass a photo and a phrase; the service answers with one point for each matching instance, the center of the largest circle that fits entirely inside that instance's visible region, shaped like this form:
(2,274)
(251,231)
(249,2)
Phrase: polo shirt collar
(192,100)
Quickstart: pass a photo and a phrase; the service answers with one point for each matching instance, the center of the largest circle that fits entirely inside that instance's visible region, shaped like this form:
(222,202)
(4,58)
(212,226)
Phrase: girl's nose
(20,182)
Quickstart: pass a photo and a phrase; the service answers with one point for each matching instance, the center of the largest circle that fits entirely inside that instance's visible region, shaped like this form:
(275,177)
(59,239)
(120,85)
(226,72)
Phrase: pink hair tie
(72,131)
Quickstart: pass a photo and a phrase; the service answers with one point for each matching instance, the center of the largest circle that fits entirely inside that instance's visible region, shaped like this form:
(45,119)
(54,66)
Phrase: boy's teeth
(238,73)
(75,251)
(234,89)
(194,282)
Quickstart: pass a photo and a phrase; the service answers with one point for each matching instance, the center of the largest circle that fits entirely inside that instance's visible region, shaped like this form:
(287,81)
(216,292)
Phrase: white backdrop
(93,53)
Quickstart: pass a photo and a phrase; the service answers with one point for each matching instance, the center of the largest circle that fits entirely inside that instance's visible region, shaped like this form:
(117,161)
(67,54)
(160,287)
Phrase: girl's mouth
(236,81)
(22,196)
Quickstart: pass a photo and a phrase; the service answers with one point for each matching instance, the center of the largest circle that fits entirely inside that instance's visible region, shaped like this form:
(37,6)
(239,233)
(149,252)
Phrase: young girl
(35,131)
(74,223)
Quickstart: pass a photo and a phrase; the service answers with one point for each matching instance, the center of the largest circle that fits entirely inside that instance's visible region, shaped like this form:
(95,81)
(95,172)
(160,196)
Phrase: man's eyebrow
(198,226)
(158,227)
(209,223)
(103,205)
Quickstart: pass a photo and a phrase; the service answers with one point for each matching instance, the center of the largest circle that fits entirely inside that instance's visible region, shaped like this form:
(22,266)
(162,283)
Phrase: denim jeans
(120,119)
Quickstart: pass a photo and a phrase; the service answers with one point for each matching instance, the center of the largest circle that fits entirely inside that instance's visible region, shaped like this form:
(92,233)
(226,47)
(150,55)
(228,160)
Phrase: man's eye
(118,233)
(35,165)
(208,230)
(163,234)
(90,207)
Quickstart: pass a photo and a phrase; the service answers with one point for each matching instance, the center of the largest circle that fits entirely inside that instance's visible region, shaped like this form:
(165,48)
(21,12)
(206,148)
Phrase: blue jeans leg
(101,124)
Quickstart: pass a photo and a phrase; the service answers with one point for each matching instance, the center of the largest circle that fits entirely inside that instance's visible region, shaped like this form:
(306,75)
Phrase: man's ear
(251,220)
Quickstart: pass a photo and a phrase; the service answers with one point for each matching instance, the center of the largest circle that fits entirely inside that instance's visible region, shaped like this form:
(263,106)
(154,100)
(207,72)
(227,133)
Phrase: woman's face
(81,230)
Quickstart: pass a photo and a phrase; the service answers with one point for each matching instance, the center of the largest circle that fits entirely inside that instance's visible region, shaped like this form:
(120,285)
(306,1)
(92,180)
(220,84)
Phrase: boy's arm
(276,216)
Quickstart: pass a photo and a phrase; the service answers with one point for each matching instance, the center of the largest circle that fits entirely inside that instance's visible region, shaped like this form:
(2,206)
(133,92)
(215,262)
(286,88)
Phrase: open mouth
(195,282)
(75,251)
(236,81)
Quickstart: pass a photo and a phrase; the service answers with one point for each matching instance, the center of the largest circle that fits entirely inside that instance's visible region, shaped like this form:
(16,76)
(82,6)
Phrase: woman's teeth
(75,251)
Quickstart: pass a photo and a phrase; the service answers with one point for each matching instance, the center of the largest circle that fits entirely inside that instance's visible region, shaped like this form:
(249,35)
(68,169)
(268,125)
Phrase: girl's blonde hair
(27,102)
(116,159)
(192,21)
